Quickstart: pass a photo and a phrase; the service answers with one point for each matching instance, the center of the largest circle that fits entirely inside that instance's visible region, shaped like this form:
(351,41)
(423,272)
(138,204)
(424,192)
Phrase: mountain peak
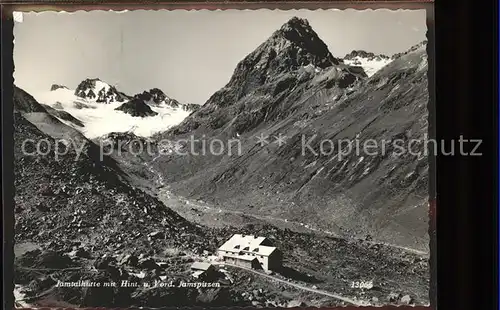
(296,24)
(57,86)
(265,85)
(137,108)
(293,46)
(303,40)
(96,89)
(156,96)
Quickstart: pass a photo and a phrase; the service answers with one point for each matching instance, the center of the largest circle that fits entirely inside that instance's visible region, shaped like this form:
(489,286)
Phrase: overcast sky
(188,54)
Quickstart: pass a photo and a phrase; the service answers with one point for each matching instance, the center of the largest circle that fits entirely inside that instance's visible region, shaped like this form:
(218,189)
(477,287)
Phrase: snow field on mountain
(370,66)
(101,118)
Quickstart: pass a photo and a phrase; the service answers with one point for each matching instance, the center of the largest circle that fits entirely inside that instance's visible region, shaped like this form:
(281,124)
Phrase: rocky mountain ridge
(364,54)
(263,83)
(101,92)
(97,108)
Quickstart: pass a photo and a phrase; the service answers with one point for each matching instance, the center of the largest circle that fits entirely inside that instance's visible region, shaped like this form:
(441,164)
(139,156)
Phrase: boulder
(83,253)
(42,284)
(296,303)
(156,235)
(407,300)
(104,262)
(394,297)
(148,263)
(129,259)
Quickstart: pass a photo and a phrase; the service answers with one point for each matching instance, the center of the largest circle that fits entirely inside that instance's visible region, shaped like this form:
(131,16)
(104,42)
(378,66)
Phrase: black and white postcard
(221,158)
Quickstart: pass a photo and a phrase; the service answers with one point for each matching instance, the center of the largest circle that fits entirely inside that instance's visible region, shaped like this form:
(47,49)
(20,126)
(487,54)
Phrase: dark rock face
(156,96)
(56,86)
(191,107)
(85,85)
(88,89)
(136,107)
(85,197)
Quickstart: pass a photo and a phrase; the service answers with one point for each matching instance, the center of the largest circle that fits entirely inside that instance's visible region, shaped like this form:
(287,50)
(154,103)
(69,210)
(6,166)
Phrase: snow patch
(423,64)
(370,66)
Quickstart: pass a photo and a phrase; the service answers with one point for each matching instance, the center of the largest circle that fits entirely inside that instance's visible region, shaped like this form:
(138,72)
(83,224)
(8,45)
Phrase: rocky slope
(63,115)
(190,107)
(364,54)
(45,119)
(411,49)
(291,85)
(72,210)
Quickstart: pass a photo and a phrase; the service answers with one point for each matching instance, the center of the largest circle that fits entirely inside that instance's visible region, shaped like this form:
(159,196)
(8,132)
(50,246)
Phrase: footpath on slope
(305,288)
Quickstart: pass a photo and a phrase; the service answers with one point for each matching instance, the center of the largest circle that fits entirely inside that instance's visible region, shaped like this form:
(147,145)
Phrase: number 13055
(362,284)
